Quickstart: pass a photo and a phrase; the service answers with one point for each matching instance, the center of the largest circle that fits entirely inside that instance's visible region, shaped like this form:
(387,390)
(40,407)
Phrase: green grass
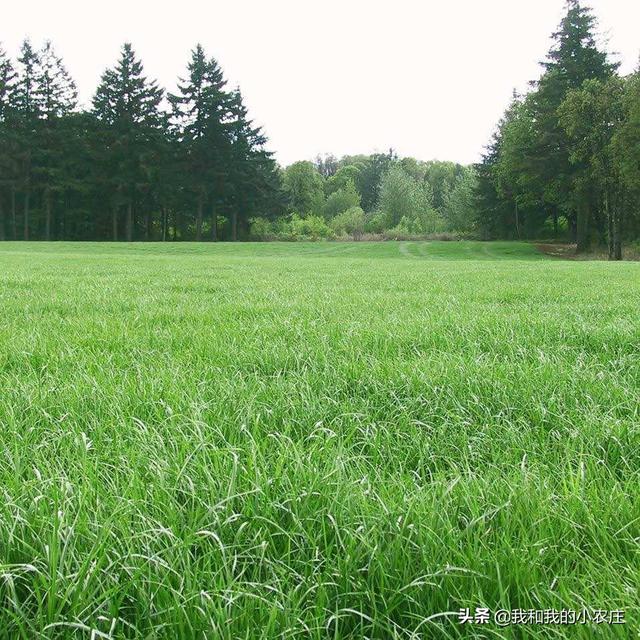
(332,440)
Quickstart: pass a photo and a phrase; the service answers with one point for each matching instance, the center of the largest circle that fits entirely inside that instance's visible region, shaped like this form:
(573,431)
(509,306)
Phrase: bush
(261,229)
(342,200)
(349,223)
(424,223)
(310,228)
(296,228)
(375,222)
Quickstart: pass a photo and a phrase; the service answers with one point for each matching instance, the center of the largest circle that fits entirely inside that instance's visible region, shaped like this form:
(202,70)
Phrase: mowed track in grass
(321,440)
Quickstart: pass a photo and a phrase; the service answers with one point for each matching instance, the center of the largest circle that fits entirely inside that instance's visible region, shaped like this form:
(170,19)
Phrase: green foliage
(310,227)
(349,223)
(339,201)
(128,168)
(407,202)
(342,178)
(295,227)
(554,159)
(304,188)
(626,137)
(459,203)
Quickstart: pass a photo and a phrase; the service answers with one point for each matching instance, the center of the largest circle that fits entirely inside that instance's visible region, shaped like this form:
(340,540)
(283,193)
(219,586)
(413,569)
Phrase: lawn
(330,440)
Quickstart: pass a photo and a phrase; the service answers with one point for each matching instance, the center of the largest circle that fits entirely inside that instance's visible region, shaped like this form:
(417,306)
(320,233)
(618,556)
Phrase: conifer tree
(252,170)
(573,59)
(56,98)
(201,111)
(127,106)
(7,159)
(27,114)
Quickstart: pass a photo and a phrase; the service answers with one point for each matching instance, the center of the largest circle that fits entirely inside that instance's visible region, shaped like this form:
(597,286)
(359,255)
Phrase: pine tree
(201,111)
(127,106)
(7,163)
(56,97)
(55,91)
(27,112)
(252,170)
(573,59)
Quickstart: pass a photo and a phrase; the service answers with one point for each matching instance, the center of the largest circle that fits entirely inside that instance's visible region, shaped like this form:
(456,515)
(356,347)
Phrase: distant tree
(441,176)
(201,112)
(27,109)
(347,197)
(402,196)
(345,174)
(127,106)
(515,181)
(573,58)
(252,170)
(56,98)
(7,142)
(459,205)
(626,152)
(350,222)
(530,175)
(304,188)
(372,172)
(326,165)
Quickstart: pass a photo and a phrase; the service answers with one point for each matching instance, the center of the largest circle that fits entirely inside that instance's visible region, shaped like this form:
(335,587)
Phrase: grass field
(332,440)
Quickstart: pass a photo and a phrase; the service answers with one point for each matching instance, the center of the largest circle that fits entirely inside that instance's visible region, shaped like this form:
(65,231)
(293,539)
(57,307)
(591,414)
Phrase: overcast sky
(428,77)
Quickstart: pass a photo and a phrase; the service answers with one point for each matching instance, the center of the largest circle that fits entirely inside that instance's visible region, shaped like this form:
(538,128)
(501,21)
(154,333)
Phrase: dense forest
(141,164)
(145,164)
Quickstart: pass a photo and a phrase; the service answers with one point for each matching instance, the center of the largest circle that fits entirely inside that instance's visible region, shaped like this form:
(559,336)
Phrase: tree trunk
(617,232)
(582,226)
(27,201)
(130,221)
(47,208)
(62,224)
(609,213)
(114,221)
(147,225)
(14,221)
(163,214)
(517,221)
(214,224)
(234,225)
(555,223)
(199,217)
(177,223)
(2,235)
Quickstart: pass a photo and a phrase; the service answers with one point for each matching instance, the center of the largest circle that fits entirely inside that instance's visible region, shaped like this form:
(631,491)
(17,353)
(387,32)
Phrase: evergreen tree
(7,147)
(27,113)
(201,111)
(56,98)
(573,58)
(127,106)
(252,170)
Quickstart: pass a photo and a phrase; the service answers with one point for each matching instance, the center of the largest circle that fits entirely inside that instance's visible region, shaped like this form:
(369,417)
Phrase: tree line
(145,164)
(140,164)
(565,158)
(380,195)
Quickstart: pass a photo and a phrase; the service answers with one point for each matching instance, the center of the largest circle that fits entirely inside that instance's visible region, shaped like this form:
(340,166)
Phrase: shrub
(310,228)
(375,222)
(261,229)
(349,223)
(342,200)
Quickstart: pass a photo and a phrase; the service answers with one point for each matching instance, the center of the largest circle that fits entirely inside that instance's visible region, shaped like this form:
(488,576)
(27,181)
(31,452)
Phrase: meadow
(322,440)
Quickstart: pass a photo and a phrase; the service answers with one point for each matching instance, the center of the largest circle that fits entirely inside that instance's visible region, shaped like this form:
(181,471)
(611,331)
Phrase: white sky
(428,77)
